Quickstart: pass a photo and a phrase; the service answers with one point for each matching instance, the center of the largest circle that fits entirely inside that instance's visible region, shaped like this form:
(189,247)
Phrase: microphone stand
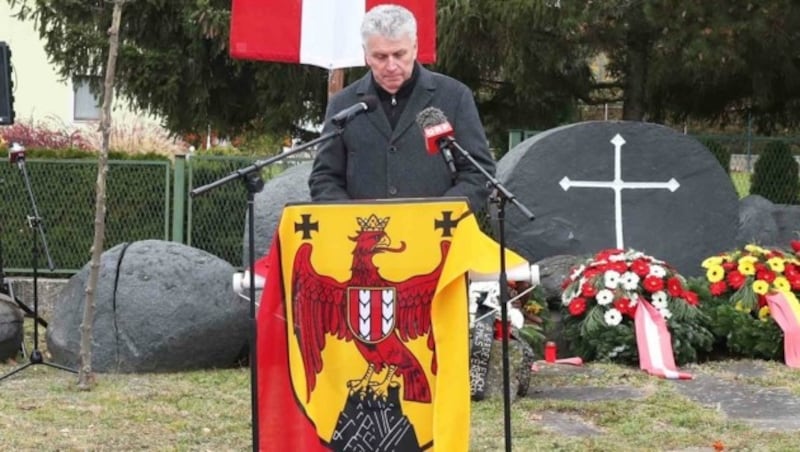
(35,223)
(254,184)
(500,196)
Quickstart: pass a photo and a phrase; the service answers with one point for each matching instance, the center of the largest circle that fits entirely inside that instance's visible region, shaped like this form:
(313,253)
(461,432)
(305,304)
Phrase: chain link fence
(63,194)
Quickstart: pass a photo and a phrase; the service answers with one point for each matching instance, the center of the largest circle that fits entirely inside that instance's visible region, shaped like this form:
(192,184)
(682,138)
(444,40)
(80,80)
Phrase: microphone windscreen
(430,117)
(371,101)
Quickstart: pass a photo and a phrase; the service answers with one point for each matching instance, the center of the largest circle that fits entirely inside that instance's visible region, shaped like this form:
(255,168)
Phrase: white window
(86,106)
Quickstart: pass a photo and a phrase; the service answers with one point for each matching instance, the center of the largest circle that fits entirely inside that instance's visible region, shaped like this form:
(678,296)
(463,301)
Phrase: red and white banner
(323,33)
(785,309)
(655,343)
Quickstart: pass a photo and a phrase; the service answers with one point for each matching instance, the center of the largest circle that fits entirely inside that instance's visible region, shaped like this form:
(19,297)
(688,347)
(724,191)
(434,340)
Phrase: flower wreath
(600,299)
(735,287)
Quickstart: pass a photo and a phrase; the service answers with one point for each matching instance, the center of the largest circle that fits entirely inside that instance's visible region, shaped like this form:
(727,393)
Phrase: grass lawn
(210,410)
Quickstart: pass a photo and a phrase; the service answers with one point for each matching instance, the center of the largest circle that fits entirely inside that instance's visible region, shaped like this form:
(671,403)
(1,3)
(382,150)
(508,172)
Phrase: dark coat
(372,161)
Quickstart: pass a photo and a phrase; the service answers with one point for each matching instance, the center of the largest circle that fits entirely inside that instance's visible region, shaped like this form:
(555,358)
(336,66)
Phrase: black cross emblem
(447,223)
(306,226)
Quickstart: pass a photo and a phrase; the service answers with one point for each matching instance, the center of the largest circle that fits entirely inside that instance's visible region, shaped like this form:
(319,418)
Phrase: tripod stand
(35,225)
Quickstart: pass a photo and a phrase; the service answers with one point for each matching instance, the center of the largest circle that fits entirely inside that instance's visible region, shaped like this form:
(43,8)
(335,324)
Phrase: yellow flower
(775,264)
(533,308)
(711,261)
(760,287)
(763,313)
(715,273)
(755,249)
(740,306)
(749,259)
(746,267)
(782,284)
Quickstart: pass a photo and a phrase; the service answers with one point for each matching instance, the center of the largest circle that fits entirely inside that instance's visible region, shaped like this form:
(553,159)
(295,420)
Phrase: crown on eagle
(372,223)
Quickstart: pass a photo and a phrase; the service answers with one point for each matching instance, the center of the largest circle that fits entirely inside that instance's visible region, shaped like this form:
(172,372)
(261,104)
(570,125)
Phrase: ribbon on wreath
(785,309)
(655,343)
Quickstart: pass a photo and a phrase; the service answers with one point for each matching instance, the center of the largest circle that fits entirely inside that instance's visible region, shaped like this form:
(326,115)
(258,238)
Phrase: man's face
(391,60)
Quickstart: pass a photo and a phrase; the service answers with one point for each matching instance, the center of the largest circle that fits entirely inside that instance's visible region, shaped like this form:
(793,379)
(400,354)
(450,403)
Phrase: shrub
(775,174)
(721,153)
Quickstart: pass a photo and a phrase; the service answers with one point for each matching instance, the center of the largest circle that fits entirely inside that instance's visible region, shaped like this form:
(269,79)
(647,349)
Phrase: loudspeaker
(6,86)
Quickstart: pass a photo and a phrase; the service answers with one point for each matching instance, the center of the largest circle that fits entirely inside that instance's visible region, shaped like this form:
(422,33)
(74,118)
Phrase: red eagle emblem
(378,315)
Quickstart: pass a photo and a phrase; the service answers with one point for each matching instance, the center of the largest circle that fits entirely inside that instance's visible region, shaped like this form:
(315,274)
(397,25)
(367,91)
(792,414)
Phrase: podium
(362,330)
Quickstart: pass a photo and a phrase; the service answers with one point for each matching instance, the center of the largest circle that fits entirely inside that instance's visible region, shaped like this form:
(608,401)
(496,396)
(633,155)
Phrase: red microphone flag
(434,133)
(323,33)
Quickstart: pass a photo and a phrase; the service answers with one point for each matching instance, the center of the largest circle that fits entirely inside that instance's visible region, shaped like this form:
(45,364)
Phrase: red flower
(618,266)
(653,283)
(728,266)
(790,270)
(795,282)
(762,301)
(718,288)
(588,289)
(690,297)
(735,279)
(766,275)
(605,254)
(641,267)
(795,245)
(674,287)
(592,272)
(577,306)
(623,305)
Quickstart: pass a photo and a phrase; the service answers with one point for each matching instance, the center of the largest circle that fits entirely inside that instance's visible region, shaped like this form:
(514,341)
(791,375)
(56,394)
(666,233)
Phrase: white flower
(604,297)
(611,279)
(657,271)
(630,280)
(516,318)
(660,303)
(633,299)
(612,317)
(659,298)
(665,313)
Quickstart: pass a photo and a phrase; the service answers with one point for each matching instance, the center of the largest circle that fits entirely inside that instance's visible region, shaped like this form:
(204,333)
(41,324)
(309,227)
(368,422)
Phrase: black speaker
(6,86)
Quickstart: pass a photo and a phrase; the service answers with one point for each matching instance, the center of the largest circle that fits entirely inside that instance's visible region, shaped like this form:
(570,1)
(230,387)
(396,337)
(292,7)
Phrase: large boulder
(619,184)
(159,306)
(291,186)
(766,223)
(10,328)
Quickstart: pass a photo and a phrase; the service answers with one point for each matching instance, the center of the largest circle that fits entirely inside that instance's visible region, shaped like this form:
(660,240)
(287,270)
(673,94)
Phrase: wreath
(600,298)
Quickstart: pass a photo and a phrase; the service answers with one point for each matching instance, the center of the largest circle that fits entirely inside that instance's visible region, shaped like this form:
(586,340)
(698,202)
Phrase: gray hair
(389,21)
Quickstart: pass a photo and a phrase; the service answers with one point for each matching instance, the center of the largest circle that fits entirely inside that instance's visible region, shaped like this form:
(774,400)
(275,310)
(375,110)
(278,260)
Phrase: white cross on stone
(617,185)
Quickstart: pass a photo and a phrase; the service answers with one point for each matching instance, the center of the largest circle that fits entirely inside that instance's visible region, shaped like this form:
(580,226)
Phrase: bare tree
(85,375)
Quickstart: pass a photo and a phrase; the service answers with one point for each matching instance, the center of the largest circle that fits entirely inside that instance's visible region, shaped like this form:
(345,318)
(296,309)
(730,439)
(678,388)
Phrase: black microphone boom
(368,103)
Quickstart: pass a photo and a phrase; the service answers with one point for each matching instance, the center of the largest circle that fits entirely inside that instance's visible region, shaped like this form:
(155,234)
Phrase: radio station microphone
(438,134)
(16,152)
(368,103)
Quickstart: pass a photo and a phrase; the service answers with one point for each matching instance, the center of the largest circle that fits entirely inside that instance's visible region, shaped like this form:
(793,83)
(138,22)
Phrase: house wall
(39,92)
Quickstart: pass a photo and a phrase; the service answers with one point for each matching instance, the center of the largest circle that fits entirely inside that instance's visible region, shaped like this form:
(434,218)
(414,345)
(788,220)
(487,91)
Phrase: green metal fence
(145,200)
(64,196)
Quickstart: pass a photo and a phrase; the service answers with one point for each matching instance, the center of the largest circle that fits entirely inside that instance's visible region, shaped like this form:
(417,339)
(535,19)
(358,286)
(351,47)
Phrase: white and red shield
(371,312)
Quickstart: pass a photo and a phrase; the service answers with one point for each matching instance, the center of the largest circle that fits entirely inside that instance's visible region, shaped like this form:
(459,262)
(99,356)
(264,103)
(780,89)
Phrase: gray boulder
(291,186)
(159,306)
(765,223)
(10,328)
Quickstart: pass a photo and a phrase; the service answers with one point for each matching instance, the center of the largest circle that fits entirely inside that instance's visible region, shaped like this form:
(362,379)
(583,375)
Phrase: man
(381,154)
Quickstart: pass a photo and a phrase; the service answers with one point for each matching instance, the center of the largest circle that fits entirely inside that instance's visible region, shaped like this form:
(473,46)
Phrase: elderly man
(382,154)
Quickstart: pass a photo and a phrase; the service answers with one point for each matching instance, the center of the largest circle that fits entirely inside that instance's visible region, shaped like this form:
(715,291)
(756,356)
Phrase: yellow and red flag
(362,335)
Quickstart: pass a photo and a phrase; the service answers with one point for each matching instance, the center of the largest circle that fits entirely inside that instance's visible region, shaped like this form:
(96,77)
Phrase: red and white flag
(323,33)
(785,309)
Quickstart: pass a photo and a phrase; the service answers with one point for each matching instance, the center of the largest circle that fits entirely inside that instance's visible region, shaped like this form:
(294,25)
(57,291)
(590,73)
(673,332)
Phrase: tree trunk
(335,81)
(85,375)
(634,106)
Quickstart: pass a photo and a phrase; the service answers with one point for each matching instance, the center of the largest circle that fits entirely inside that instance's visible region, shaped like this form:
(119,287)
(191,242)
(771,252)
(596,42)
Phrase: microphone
(438,133)
(368,103)
(16,152)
